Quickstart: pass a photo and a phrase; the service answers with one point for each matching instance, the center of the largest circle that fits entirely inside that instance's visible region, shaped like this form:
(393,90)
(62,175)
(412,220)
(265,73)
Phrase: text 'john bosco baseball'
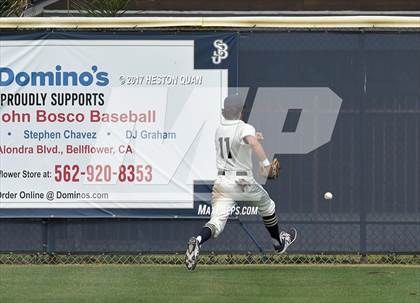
(93,116)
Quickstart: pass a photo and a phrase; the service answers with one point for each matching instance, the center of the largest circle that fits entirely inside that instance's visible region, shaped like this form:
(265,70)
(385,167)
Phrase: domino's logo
(55,77)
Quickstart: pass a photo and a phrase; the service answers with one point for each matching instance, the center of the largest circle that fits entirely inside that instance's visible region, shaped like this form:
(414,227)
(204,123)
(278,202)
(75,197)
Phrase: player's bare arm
(267,168)
(256,146)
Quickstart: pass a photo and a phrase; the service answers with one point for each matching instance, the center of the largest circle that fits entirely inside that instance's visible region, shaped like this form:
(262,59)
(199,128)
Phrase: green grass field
(215,284)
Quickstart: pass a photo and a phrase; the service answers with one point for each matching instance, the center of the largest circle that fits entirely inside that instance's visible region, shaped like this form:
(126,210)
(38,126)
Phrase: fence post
(363,160)
(45,248)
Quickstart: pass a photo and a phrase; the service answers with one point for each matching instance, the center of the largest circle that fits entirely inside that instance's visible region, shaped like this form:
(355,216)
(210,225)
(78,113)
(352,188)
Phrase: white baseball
(328,196)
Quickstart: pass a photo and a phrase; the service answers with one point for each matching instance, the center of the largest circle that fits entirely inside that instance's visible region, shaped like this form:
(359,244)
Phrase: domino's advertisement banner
(104,126)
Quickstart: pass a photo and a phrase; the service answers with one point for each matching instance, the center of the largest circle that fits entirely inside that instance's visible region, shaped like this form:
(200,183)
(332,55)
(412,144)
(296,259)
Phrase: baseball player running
(235,142)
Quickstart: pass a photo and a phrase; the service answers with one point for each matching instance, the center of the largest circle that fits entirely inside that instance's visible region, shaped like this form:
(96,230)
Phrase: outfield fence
(371,164)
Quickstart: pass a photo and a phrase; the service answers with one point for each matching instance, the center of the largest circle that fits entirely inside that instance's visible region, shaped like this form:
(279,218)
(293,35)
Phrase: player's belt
(238,173)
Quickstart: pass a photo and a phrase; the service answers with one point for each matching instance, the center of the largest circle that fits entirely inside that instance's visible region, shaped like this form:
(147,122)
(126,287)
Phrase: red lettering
(43,116)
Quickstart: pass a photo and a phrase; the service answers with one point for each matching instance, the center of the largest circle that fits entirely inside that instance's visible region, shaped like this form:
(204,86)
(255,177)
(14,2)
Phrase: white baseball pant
(227,190)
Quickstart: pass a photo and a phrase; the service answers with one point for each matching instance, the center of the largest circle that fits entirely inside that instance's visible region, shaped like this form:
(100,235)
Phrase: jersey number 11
(222,154)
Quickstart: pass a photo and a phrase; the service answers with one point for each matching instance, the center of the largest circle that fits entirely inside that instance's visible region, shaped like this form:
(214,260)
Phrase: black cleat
(286,239)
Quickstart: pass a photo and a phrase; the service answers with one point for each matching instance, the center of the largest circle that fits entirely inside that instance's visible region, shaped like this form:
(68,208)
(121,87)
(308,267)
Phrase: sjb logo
(221,51)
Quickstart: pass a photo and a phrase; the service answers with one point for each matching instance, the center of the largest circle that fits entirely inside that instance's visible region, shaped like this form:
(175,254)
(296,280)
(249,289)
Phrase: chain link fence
(207,259)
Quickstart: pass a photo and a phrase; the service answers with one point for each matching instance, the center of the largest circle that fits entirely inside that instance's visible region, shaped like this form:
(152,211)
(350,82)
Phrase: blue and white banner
(94,125)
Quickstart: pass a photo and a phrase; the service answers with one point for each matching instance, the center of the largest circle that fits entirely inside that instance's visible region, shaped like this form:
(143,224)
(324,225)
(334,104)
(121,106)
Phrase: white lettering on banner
(221,51)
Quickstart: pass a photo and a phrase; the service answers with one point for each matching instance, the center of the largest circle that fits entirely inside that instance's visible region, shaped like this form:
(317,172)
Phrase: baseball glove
(271,171)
